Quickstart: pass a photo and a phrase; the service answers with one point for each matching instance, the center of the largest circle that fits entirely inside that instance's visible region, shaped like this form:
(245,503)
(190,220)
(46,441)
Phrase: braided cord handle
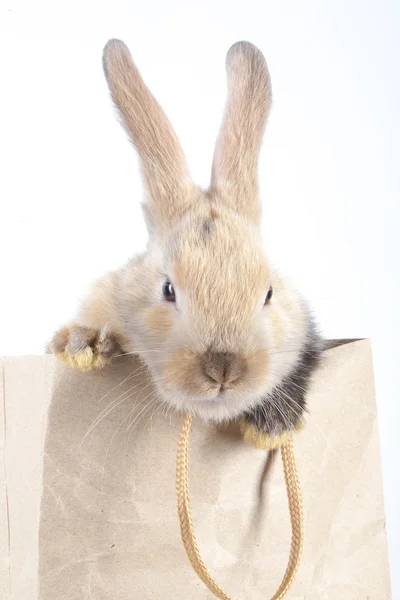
(186,523)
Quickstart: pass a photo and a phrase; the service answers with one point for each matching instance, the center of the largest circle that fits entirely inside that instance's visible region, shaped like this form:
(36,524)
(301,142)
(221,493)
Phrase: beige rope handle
(186,524)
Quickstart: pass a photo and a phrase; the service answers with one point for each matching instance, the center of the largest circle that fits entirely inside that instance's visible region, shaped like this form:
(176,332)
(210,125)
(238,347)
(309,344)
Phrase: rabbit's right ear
(234,176)
(165,172)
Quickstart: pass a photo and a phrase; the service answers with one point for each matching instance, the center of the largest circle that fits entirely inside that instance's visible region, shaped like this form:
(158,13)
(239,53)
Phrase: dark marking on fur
(206,228)
(285,406)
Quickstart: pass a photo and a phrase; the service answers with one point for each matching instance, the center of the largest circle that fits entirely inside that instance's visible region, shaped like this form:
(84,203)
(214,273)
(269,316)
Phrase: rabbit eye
(269,295)
(169,292)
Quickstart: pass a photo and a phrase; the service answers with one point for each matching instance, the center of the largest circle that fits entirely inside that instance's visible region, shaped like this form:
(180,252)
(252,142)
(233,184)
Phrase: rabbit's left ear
(234,175)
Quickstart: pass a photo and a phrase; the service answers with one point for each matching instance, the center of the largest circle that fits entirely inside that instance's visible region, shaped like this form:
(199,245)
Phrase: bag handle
(186,523)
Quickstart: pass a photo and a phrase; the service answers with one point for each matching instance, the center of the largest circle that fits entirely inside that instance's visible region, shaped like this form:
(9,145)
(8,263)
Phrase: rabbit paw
(83,348)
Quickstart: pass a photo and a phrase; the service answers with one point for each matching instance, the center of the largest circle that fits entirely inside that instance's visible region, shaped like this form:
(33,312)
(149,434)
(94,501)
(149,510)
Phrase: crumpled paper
(96,452)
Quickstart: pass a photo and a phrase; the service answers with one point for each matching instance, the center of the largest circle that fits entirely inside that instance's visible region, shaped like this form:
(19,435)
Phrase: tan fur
(235,175)
(207,243)
(164,166)
(159,319)
(99,307)
(261,439)
(184,370)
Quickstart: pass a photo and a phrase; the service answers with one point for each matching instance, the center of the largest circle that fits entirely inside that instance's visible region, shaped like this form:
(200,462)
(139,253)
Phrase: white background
(69,182)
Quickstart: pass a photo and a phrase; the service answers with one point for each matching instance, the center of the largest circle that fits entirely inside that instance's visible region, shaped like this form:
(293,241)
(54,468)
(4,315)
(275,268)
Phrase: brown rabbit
(221,332)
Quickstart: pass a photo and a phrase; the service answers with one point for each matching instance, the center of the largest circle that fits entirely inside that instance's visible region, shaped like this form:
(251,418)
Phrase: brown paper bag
(108,527)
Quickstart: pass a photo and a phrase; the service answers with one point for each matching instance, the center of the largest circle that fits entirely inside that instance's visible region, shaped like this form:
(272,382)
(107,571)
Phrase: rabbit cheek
(183,372)
(258,365)
(159,318)
(278,325)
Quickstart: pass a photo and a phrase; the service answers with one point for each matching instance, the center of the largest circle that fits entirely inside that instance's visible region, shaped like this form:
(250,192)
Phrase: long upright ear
(234,175)
(164,168)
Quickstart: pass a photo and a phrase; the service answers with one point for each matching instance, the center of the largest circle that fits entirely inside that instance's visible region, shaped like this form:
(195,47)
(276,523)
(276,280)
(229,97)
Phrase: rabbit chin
(220,408)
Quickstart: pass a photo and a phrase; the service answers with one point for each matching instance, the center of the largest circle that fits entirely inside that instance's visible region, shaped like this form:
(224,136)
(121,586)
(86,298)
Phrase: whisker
(106,411)
(119,427)
(108,449)
(298,415)
(276,406)
(141,414)
(121,383)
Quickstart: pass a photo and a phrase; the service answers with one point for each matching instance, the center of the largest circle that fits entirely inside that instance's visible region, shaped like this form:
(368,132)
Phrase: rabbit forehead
(218,254)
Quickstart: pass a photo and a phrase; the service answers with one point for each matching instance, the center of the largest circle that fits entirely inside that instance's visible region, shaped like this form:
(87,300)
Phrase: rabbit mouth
(216,405)
(222,392)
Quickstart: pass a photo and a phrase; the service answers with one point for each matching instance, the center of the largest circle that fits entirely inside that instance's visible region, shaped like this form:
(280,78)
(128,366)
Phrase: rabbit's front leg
(84,348)
(94,337)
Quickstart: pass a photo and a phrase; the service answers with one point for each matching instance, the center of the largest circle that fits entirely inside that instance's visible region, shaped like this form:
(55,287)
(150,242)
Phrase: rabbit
(221,333)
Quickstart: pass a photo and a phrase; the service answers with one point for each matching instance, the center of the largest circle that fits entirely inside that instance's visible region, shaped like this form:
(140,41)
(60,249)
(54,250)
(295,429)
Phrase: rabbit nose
(222,367)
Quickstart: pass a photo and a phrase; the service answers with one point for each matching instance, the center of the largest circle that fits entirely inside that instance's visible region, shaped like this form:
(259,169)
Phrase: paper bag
(96,454)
